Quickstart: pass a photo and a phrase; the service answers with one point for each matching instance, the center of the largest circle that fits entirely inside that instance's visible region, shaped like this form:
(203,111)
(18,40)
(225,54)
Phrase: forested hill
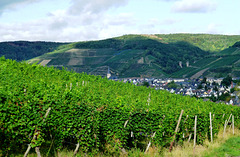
(24,50)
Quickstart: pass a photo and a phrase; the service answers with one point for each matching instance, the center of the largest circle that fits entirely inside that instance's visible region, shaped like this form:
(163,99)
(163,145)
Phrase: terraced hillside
(226,62)
(133,56)
(232,50)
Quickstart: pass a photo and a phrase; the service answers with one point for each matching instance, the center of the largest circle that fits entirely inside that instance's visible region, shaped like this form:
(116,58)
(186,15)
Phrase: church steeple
(108,73)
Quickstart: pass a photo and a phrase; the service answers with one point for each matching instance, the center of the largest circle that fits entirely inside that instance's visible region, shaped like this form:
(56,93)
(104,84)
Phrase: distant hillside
(232,50)
(226,62)
(206,42)
(160,55)
(128,56)
(24,50)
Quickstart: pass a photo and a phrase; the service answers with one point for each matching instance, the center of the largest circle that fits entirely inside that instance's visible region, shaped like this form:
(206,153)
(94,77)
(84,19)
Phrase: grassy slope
(230,148)
(207,42)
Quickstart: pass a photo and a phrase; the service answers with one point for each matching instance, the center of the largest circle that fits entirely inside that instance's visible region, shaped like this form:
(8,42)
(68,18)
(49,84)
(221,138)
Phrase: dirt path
(45,62)
(198,74)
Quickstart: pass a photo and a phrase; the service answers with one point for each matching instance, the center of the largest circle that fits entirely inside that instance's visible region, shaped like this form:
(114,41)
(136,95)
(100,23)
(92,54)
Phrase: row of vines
(94,112)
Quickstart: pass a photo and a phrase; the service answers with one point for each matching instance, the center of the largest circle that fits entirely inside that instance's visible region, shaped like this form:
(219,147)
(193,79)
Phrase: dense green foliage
(237,44)
(24,50)
(227,81)
(98,113)
(172,85)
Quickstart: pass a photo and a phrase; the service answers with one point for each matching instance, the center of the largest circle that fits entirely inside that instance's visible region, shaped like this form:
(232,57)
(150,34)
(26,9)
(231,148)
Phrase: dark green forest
(24,50)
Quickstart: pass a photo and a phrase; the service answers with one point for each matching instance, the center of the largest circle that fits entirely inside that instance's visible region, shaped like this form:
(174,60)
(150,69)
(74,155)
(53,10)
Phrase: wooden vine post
(233,123)
(125,124)
(149,142)
(189,138)
(38,151)
(35,136)
(176,130)
(210,115)
(195,132)
(226,123)
(149,99)
(76,150)
(229,118)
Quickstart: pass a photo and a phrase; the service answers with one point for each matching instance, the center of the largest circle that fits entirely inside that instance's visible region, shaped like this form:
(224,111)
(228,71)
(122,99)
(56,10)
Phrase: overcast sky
(80,20)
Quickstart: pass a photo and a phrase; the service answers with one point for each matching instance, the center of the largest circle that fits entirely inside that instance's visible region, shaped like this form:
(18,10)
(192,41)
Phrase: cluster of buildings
(207,90)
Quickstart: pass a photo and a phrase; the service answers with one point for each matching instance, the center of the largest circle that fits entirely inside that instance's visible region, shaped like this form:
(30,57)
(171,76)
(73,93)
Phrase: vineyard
(44,106)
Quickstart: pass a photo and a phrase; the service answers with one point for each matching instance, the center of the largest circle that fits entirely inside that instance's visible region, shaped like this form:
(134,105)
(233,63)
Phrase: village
(208,89)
